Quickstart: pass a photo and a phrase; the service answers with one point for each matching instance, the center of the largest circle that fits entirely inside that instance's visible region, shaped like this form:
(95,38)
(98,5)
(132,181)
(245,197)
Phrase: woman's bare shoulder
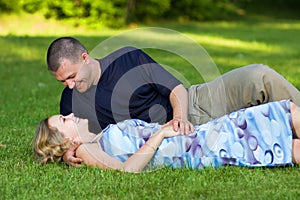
(86,148)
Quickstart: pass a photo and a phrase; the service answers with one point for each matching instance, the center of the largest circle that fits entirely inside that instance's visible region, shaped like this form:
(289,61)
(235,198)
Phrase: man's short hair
(64,48)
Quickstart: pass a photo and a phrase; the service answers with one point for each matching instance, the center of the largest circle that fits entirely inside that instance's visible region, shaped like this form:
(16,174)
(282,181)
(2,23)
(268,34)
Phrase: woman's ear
(69,139)
(76,143)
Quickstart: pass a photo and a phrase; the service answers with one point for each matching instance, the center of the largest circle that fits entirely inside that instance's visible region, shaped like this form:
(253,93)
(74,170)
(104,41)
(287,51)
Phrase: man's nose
(70,83)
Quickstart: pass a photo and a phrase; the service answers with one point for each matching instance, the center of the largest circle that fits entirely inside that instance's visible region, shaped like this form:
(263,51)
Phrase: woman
(264,135)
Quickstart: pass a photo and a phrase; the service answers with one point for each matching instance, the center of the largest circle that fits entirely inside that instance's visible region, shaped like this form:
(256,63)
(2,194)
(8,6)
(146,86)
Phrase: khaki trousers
(240,88)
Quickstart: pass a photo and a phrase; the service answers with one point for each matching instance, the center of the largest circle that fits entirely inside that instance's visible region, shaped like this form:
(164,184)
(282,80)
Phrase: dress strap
(97,137)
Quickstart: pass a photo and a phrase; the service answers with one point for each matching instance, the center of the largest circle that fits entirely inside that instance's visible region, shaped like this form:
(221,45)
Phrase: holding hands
(183,127)
(175,128)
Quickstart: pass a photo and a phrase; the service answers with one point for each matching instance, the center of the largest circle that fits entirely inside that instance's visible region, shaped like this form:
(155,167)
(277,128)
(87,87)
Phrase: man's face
(74,75)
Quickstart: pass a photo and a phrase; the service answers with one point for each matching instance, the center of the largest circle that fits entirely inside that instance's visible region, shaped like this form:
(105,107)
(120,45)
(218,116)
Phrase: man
(130,84)
(149,84)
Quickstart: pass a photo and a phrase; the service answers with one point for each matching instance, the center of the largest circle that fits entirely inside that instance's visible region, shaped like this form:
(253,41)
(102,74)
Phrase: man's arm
(179,101)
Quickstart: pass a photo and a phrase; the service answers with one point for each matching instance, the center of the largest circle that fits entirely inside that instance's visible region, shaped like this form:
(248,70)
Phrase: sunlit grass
(24,24)
(13,50)
(236,44)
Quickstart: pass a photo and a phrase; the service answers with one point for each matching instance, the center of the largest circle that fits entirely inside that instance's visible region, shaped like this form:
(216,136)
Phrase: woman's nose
(70,116)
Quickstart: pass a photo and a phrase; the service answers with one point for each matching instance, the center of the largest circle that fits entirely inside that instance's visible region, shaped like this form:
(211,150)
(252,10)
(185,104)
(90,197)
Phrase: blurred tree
(116,13)
(147,10)
(109,13)
(284,9)
(9,6)
(32,6)
(204,9)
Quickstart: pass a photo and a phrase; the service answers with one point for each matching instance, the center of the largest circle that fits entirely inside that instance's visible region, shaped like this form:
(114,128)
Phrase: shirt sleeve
(66,102)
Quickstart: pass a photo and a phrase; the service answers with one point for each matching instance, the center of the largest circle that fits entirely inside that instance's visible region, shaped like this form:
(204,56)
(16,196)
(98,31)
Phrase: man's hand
(179,101)
(183,126)
(69,156)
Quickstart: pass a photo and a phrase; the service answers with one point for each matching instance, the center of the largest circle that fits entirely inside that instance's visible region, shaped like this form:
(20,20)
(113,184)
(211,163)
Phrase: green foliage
(110,13)
(148,10)
(116,13)
(203,10)
(280,9)
(31,6)
(9,6)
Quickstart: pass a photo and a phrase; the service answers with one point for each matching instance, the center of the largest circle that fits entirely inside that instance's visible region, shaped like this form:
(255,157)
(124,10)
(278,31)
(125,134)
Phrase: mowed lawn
(29,93)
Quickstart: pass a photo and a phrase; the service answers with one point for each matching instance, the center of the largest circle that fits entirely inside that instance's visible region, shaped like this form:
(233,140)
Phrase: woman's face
(69,125)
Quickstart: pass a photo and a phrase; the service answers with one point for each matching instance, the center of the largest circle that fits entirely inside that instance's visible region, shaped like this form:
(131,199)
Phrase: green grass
(28,93)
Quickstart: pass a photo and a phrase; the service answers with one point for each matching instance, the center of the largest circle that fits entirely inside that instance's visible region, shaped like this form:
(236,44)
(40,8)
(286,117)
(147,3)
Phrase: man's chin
(81,89)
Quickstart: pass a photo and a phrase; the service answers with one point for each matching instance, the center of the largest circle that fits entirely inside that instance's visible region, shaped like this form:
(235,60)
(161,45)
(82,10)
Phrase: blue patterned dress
(255,136)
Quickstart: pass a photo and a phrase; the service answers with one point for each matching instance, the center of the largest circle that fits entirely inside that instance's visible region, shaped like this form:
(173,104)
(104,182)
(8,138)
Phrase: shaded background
(119,13)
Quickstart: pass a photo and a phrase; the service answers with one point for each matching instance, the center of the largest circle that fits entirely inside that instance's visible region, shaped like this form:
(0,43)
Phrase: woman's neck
(86,137)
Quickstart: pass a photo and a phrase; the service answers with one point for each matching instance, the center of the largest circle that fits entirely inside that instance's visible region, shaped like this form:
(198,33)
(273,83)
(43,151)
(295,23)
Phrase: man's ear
(85,57)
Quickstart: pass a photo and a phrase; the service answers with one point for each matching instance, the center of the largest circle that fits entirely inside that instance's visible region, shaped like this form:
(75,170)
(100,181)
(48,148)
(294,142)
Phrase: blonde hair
(49,144)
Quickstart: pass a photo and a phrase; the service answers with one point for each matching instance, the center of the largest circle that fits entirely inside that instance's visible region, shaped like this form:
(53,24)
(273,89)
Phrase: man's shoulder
(127,51)
(67,91)
(128,48)
(122,51)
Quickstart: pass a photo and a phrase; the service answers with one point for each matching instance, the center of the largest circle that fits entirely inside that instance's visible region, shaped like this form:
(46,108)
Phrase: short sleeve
(66,102)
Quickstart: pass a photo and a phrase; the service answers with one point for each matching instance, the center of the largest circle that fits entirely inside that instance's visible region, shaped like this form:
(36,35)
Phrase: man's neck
(97,70)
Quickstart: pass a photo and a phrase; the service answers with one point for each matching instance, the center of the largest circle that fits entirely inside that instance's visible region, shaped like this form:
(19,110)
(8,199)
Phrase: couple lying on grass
(263,135)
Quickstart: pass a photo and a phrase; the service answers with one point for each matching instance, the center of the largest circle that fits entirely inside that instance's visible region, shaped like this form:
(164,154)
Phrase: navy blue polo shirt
(132,85)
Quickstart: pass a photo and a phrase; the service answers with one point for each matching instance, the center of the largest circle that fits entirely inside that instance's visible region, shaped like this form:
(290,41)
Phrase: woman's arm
(92,155)
(295,151)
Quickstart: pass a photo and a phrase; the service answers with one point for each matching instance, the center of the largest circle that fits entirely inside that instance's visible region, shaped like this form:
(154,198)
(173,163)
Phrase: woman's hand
(184,127)
(168,131)
(69,156)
